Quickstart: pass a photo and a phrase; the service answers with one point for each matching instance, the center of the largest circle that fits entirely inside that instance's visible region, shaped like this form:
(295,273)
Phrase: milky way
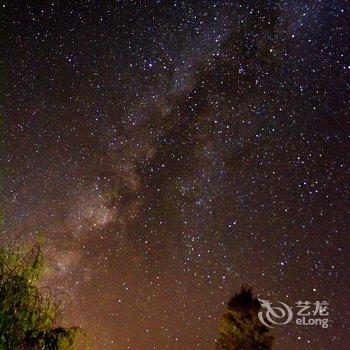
(171,151)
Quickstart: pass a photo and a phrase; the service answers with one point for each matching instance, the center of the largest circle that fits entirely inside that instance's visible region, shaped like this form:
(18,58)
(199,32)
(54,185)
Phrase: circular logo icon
(274,315)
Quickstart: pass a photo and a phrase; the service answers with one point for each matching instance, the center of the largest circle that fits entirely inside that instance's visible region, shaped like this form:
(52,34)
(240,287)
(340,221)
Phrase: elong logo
(283,313)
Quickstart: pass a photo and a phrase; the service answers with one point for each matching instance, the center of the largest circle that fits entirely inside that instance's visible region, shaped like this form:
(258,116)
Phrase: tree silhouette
(240,328)
(27,318)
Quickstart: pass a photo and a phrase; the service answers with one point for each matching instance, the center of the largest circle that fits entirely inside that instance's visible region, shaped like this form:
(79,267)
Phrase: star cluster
(171,151)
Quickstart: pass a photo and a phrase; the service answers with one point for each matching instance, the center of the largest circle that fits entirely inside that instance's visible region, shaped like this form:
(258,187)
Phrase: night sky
(171,151)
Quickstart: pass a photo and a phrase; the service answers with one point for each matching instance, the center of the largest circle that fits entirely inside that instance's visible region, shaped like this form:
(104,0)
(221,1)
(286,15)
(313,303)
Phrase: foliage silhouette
(240,328)
(27,318)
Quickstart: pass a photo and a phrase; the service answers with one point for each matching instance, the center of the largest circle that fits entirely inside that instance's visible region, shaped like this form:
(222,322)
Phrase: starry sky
(170,151)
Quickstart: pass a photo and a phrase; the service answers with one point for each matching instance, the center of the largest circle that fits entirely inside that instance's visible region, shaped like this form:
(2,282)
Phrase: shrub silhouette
(240,328)
(27,318)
